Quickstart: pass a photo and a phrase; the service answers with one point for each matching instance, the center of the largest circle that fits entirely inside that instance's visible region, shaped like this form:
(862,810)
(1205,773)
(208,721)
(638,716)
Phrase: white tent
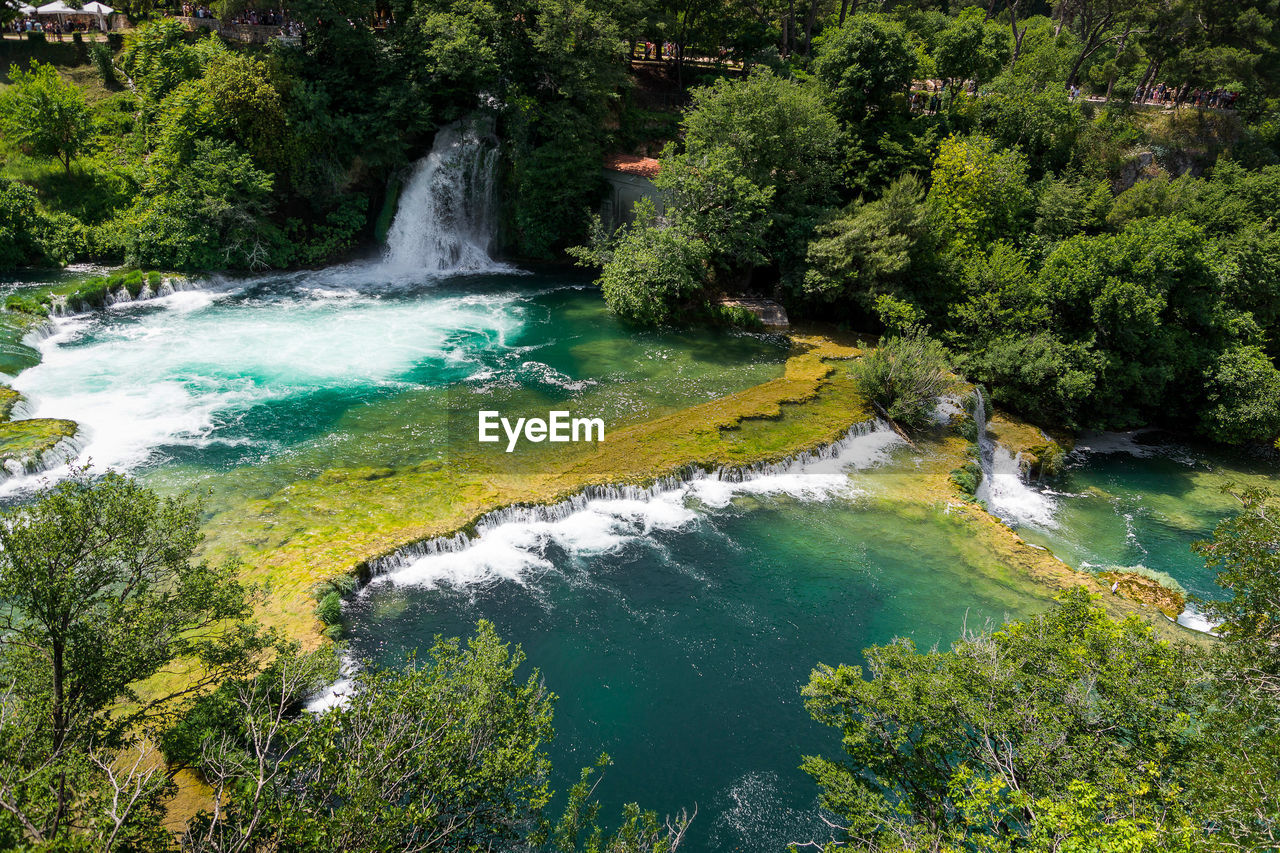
(60,8)
(24,9)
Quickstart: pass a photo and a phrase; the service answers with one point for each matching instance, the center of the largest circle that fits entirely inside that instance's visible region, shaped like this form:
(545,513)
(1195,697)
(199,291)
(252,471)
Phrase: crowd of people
(249,17)
(1218,99)
(52,27)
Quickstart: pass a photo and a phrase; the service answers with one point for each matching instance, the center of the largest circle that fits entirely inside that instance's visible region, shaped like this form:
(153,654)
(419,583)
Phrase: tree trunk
(808,27)
(1017,34)
(1111,81)
(844,8)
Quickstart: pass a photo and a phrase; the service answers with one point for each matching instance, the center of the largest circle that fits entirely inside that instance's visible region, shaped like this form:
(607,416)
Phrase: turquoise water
(678,633)
(274,379)
(677,629)
(1142,500)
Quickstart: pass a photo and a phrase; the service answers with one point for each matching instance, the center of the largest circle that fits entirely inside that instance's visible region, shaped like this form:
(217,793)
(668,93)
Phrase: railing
(250,33)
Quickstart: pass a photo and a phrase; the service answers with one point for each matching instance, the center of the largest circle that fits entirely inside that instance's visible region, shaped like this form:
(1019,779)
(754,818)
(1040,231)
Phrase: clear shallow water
(1127,500)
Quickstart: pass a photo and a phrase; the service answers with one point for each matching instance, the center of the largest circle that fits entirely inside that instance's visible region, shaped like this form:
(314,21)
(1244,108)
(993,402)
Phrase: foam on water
(1010,498)
(183,370)
(512,542)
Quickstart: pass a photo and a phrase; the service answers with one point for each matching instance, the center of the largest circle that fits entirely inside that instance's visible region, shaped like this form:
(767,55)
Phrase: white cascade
(446,219)
(511,540)
(1003,489)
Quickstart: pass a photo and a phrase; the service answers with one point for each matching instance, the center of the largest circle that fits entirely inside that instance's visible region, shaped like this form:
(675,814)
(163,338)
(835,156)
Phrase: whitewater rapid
(202,368)
(512,543)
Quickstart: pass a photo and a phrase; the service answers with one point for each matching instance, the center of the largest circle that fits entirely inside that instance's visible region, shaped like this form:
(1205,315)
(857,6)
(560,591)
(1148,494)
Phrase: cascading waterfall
(713,486)
(445,221)
(1003,490)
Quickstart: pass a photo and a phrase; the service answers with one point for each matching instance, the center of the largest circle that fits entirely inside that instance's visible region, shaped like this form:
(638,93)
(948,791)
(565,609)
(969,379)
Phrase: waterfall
(1003,490)
(513,536)
(445,222)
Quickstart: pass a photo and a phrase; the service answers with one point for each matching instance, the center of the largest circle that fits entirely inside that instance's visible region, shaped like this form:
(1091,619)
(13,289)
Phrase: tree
(1245,553)
(980,192)
(46,115)
(904,376)
(865,63)
(206,214)
(1098,23)
(996,743)
(18,218)
(99,590)
(1235,782)
(781,136)
(1243,391)
(970,49)
(653,269)
(445,754)
(886,246)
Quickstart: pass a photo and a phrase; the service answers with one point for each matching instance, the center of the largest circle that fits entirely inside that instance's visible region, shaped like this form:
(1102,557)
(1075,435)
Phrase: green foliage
(1045,127)
(1055,727)
(100,589)
(707,198)
(980,192)
(885,247)
(1243,393)
(207,214)
(654,270)
(970,48)
(18,215)
(329,610)
(904,376)
(44,114)
(866,63)
(967,477)
(1243,553)
(471,769)
(102,60)
(780,136)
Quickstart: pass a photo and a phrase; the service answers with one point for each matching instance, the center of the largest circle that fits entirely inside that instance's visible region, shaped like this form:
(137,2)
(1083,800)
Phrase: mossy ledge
(34,445)
(342,520)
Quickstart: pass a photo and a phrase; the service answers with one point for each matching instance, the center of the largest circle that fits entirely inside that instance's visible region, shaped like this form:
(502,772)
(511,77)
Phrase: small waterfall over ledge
(1006,495)
(506,541)
(446,218)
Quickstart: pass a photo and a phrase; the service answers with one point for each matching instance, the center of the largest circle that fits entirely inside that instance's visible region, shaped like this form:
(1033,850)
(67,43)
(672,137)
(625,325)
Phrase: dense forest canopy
(1076,197)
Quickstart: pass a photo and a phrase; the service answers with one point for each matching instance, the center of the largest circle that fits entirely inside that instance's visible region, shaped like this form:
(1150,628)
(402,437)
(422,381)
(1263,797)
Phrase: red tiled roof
(645,167)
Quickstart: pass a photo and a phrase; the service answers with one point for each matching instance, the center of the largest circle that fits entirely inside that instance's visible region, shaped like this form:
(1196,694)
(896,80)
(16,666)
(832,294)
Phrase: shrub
(904,376)
(967,477)
(155,280)
(102,61)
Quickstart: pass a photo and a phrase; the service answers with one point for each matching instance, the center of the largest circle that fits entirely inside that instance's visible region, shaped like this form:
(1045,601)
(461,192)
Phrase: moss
(8,399)
(341,519)
(155,280)
(25,305)
(1154,589)
(1042,455)
(25,442)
